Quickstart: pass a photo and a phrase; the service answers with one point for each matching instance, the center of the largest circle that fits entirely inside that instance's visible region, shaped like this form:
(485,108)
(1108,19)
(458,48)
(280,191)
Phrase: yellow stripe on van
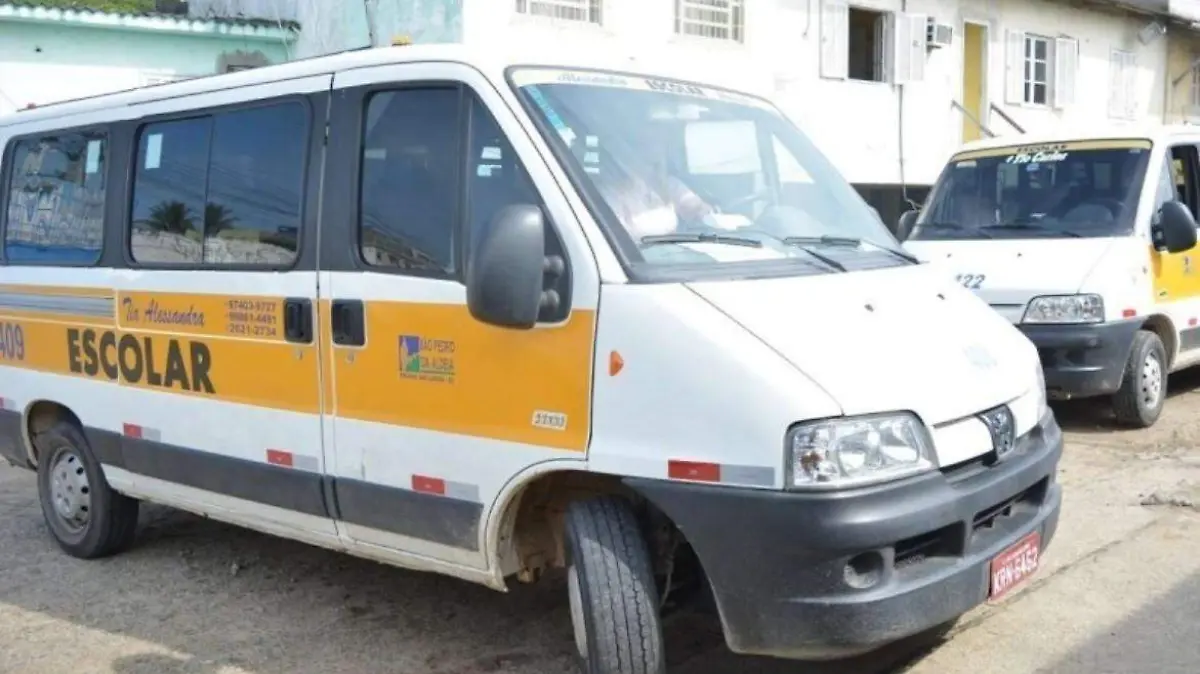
(1065,146)
(429,366)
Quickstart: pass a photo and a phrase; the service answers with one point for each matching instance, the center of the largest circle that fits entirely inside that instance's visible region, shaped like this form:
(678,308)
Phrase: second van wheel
(611,588)
(86,517)
(1139,401)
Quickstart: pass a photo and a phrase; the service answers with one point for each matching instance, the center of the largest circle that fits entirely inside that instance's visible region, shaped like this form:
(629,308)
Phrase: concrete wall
(47,62)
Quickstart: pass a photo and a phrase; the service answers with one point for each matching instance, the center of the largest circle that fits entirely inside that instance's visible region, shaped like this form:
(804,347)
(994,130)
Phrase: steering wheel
(1114,206)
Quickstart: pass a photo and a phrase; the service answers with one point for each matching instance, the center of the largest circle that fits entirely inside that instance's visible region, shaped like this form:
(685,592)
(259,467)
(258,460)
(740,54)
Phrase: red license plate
(1014,566)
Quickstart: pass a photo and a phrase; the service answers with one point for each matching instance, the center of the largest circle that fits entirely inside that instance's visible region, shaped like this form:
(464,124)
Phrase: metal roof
(239,26)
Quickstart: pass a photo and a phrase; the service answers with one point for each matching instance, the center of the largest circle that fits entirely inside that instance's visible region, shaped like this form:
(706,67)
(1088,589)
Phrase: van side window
(224,189)
(496,177)
(56,199)
(1187,183)
(411,190)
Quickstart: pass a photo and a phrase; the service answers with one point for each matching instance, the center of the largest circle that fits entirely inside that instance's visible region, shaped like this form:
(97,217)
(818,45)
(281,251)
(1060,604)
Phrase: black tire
(1139,401)
(614,599)
(102,522)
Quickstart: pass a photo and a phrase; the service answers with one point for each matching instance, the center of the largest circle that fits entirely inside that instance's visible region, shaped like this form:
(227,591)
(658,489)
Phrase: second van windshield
(1062,190)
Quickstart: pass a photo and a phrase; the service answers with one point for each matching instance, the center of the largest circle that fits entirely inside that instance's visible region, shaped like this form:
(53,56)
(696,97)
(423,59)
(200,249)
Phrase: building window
(223,189)
(56,199)
(1037,70)
(867,45)
(1041,70)
(717,19)
(408,209)
(588,11)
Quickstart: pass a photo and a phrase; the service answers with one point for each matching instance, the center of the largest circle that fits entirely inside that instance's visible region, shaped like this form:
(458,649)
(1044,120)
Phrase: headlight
(848,452)
(1065,309)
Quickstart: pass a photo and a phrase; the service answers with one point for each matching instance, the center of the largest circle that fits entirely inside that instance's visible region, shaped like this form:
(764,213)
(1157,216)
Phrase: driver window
(1184,165)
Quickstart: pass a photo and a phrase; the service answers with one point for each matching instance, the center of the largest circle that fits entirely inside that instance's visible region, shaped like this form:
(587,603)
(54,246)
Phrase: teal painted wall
(43,63)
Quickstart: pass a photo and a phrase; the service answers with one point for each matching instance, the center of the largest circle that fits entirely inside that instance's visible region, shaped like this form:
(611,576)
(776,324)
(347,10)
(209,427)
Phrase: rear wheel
(611,588)
(86,517)
(1139,401)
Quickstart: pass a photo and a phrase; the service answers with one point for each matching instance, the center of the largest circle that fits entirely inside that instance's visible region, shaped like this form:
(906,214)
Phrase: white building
(887,88)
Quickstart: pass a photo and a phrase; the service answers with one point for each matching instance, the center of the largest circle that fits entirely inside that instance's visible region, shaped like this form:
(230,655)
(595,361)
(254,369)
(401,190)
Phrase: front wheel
(611,588)
(1139,401)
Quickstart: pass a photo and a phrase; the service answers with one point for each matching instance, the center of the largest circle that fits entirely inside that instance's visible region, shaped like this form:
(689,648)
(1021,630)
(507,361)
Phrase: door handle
(347,323)
(297,320)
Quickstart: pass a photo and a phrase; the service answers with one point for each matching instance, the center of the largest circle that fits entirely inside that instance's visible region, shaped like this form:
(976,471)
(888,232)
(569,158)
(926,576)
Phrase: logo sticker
(427,359)
(1003,429)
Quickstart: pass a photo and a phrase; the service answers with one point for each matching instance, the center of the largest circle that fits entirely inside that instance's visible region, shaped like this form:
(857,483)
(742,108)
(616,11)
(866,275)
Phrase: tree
(172,217)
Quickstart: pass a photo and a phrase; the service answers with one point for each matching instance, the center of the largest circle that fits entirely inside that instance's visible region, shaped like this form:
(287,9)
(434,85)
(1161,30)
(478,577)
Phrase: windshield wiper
(697,237)
(850,241)
(953,226)
(801,241)
(1030,227)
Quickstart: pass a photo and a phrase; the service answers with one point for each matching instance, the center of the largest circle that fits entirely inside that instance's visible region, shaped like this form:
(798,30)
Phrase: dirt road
(197,597)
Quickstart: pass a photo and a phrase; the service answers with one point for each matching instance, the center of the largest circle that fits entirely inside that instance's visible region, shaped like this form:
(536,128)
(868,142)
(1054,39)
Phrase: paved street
(1116,593)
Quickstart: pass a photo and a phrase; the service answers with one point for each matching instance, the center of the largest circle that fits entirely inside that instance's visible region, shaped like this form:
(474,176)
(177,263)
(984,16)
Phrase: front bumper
(1081,361)
(777,560)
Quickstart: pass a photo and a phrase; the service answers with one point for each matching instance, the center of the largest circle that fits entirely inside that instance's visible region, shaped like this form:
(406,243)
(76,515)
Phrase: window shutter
(912,38)
(1116,84)
(1129,85)
(835,38)
(1014,89)
(1066,67)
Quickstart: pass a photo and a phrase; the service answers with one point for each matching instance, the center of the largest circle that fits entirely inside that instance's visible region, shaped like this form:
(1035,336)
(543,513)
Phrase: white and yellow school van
(1085,240)
(492,317)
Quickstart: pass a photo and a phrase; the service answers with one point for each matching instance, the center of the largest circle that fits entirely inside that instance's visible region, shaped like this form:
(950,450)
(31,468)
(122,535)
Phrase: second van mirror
(504,272)
(1175,231)
(905,225)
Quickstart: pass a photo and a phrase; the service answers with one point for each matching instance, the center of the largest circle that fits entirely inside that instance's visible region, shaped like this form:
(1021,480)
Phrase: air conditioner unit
(939,35)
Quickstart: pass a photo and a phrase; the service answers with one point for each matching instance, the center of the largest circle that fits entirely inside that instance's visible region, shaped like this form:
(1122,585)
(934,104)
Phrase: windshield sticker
(557,122)
(1049,151)
(530,77)
(1035,156)
(969,163)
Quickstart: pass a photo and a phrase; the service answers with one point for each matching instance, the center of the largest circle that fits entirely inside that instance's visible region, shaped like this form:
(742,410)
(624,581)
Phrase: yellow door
(974,44)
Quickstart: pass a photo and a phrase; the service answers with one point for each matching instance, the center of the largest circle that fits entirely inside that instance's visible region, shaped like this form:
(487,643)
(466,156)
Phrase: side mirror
(504,272)
(905,224)
(1175,230)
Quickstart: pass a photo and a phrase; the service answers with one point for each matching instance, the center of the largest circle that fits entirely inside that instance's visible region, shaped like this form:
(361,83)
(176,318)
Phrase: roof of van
(1152,131)
(491,61)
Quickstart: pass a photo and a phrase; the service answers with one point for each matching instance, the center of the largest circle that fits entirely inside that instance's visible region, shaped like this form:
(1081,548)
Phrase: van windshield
(698,179)
(1059,190)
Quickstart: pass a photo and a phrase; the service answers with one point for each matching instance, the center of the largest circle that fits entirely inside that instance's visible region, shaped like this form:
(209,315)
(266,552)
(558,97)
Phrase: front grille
(988,517)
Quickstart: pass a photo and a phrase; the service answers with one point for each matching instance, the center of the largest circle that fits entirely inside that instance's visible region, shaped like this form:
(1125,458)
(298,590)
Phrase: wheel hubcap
(69,490)
(576,601)
(1152,380)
